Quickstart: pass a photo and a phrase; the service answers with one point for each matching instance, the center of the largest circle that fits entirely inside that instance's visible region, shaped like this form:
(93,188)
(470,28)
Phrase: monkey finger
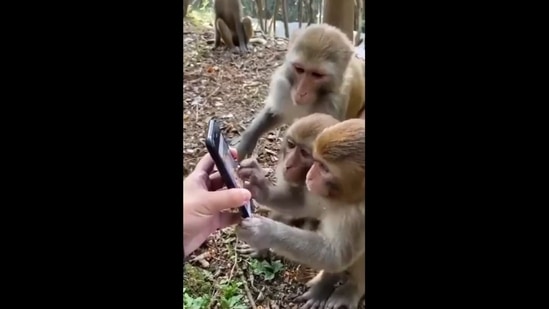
(245,173)
(250,163)
(303,297)
(313,304)
(245,249)
(255,178)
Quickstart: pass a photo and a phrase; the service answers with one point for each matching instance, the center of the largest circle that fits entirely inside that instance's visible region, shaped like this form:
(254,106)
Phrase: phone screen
(229,163)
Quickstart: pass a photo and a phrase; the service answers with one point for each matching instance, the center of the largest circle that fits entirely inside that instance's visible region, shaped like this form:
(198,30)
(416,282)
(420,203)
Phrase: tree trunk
(318,14)
(264,6)
(300,12)
(260,14)
(285,15)
(185,7)
(311,16)
(358,22)
(340,13)
(275,12)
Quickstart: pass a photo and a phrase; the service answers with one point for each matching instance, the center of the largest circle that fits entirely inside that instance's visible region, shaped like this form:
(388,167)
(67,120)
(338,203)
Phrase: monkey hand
(254,179)
(257,231)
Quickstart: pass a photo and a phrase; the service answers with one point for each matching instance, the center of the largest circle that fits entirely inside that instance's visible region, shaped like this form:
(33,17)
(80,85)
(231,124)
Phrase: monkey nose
(303,94)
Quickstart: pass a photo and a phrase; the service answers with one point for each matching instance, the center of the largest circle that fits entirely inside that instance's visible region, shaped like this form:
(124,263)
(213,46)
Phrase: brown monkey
(320,74)
(295,160)
(339,152)
(230,26)
(335,196)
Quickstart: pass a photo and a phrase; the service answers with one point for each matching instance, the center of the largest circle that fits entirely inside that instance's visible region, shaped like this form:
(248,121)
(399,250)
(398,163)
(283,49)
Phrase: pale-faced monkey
(335,195)
(320,74)
(230,26)
(295,161)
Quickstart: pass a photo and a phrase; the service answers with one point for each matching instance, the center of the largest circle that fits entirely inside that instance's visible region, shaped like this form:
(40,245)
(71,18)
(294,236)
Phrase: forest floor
(217,83)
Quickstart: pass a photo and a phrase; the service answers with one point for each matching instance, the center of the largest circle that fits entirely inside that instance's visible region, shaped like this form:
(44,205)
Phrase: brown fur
(230,26)
(342,149)
(302,133)
(321,72)
(337,246)
(343,141)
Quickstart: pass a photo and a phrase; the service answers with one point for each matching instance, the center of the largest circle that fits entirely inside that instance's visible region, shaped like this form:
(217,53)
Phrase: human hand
(203,204)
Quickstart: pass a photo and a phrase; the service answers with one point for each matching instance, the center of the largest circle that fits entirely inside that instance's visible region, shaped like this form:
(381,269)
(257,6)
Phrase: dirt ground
(232,88)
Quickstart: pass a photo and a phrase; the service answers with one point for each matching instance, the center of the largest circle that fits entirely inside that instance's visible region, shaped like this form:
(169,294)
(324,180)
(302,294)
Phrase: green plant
(266,269)
(190,302)
(231,297)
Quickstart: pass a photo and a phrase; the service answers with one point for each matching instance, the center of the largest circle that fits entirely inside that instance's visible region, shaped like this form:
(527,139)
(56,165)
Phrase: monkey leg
(248,28)
(350,293)
(248,31)
(245,31)
(226,35)
(322,287)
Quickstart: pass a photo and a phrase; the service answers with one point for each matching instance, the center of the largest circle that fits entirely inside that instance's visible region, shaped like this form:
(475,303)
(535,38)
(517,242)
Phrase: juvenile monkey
(335,195)
(295,160)
(320,74)
(230,26)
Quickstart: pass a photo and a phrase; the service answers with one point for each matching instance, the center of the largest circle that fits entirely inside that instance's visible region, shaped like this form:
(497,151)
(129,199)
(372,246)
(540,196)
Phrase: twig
(235,260)
(248,293)
(246,288)
(202,259)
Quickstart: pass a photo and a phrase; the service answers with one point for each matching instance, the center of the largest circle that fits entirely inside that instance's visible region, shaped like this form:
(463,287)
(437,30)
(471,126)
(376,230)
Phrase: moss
(197,281)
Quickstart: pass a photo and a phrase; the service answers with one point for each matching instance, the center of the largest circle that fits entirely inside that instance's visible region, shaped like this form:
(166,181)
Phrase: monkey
(295,161)
(230,26)
(319,75)
(334,195)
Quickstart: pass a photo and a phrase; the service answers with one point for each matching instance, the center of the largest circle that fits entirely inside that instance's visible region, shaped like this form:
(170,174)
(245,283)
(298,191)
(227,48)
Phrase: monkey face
(308,84)
(297,161)
(320,181)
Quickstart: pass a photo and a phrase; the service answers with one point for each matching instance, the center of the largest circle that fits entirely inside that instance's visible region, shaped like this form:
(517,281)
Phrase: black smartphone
(226,165)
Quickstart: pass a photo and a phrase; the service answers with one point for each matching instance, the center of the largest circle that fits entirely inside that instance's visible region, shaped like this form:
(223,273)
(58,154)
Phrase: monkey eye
(291,144)
(322,167)
(299,69)
(317,75)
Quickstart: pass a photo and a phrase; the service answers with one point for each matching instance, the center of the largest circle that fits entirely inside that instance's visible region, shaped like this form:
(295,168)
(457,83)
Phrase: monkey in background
(320,74)
(230,26)
(295,160)
(334,195)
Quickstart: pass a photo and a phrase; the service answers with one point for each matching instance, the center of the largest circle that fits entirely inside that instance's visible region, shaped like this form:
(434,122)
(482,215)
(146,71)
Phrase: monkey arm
(264,121)
(286,200)
(313,248)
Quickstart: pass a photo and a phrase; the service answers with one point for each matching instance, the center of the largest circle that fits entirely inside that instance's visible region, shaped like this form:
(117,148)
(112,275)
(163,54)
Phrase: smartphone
(226,165)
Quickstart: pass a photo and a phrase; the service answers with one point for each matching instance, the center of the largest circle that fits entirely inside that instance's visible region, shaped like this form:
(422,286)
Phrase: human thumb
(224,199)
